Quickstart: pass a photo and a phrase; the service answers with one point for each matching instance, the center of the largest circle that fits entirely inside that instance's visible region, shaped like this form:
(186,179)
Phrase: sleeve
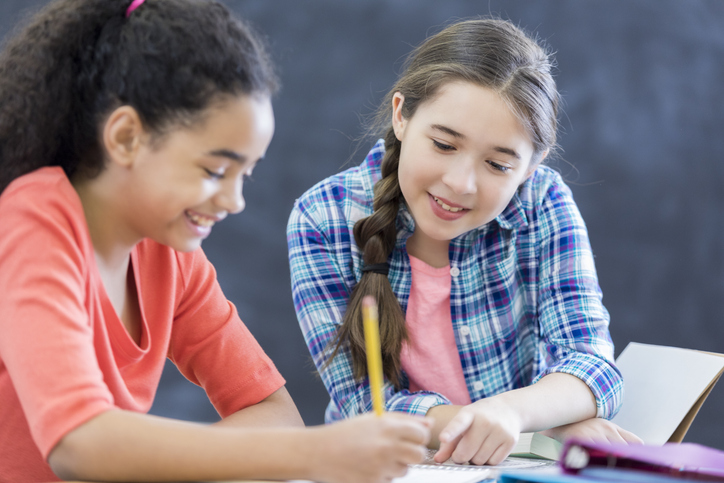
(46,339)
(321,293)
(212,347)
(573,320)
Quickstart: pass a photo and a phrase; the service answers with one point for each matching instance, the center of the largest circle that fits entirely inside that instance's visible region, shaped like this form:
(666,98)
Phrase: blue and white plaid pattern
(525,301)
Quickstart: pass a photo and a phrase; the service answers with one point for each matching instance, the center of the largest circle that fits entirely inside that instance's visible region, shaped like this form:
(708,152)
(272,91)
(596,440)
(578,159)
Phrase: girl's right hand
(369,448)
(484,432)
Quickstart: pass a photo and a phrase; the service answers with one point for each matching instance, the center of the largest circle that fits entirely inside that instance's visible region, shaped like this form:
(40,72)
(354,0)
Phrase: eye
(499,167)
(214,174)
(442,146)
(247,175)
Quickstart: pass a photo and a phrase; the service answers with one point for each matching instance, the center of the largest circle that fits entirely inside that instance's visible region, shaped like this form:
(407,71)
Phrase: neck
(432,252)
(112,238)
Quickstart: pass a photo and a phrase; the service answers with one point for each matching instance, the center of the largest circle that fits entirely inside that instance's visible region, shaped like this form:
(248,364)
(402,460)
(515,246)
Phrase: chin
(441,234)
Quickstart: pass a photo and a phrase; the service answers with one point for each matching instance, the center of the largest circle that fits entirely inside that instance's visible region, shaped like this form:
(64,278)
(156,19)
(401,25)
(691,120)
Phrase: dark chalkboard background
(642,149)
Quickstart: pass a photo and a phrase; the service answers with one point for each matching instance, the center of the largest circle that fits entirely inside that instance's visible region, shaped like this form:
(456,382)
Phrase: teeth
(447,207)
(200,220)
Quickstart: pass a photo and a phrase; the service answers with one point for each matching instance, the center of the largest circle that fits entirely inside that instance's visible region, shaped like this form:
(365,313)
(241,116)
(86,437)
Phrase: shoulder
(44,201)
(41,189)
(44,232)
(545,184)
(536,200)
(550,208)
(342,198)
(546,198)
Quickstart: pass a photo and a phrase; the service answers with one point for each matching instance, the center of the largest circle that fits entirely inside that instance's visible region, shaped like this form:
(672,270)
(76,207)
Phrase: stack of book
(583,462)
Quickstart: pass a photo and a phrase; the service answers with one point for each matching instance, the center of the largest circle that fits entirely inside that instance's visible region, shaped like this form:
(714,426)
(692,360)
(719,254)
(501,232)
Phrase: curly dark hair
(77,60)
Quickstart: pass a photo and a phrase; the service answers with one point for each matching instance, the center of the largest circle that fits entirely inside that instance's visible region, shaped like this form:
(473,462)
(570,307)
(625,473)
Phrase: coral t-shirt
(65,355)
(431,359)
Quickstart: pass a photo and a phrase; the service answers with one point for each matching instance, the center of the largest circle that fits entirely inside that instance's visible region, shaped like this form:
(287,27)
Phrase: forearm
(276,410)
(486,430)
(125,446)
(554,400)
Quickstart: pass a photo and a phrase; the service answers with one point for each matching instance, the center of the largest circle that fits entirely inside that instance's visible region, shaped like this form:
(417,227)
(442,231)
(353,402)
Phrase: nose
(461,177)
(230,197)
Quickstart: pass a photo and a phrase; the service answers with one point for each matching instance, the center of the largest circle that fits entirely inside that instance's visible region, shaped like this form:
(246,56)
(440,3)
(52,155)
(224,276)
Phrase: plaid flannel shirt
(525,299)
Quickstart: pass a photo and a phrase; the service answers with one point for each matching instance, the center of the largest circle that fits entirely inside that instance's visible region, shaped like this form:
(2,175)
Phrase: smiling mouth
(447,207)
(201,220)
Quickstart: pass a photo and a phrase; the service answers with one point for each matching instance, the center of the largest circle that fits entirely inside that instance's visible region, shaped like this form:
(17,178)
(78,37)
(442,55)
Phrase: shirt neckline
(418,265)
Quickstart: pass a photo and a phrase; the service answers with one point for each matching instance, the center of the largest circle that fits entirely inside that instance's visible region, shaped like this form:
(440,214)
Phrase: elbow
(288,415)
(65,461)
(79,455)
(295,420)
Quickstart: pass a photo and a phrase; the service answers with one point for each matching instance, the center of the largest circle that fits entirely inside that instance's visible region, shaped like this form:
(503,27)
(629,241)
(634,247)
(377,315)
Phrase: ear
(533,166)
(398,121)
(122,135)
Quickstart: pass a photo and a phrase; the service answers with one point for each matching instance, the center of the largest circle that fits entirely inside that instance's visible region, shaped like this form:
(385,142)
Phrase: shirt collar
(372,167)
(513,216)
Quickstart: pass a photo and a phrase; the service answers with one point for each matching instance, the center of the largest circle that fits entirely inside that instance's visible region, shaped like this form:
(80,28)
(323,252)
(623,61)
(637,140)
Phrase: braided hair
(488,52)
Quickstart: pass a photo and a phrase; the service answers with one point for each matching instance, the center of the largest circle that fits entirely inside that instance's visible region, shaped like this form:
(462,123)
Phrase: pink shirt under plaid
(430,358)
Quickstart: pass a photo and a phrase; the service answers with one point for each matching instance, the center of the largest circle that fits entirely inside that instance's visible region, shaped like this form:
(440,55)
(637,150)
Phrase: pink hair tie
(133,6)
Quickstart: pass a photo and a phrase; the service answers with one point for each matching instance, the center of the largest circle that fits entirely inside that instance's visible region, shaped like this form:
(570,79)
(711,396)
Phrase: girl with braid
(490,310)
(126,131)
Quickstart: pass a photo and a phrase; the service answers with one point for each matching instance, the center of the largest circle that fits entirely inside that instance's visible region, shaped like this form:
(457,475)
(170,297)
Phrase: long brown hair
(492,53)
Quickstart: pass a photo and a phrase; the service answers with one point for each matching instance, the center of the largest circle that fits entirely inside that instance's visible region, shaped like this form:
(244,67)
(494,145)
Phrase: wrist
(441,415)
(314,452)
(511,405)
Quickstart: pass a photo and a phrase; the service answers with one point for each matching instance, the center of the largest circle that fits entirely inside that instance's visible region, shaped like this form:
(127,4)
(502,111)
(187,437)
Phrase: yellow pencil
(374,353)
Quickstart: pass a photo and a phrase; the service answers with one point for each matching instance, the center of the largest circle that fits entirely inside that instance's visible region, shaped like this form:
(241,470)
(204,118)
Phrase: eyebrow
(507,151)
(449,131)
(227,153)
(458,135)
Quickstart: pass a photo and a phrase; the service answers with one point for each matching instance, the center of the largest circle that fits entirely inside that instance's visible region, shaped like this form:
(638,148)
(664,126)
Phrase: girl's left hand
(484,432)
(593,430)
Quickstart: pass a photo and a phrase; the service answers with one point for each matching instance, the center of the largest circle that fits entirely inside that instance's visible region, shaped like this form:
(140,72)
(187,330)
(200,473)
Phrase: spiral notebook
(446,474)
(449,472)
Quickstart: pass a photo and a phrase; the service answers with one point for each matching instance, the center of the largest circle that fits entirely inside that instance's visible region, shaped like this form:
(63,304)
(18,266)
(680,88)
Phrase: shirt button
(478,385)
(454,271)
(464,330)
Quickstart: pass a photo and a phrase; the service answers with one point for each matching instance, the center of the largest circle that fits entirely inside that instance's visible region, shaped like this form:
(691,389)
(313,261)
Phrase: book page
(661,385)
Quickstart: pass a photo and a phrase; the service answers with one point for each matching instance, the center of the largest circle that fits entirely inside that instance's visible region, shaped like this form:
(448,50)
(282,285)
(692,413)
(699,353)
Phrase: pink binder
(684,460)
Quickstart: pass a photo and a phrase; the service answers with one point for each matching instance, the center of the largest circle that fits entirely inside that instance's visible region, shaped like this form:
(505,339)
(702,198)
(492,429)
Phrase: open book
(537,445)
(664,389)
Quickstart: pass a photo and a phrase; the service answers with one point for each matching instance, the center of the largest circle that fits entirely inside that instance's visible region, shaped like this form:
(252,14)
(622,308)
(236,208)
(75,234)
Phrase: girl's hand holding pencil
(374,447)
(369,448)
